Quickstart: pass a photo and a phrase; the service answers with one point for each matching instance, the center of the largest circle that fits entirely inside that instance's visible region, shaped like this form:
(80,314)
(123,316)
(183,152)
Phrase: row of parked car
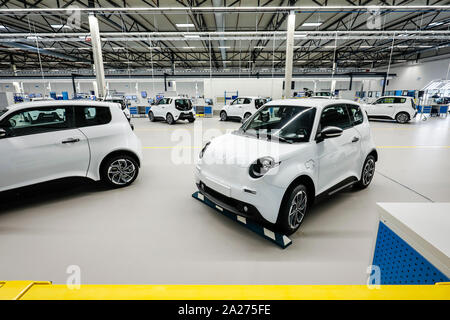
(284,156)
(400,109)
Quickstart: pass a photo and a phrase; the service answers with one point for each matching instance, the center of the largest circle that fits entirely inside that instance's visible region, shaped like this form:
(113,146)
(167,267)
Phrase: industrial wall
(416,76)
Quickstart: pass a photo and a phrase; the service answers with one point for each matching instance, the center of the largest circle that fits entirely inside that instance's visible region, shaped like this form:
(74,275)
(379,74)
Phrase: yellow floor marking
(220,292)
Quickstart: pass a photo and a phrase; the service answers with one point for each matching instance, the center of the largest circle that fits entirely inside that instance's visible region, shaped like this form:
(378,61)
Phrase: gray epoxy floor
(153,232)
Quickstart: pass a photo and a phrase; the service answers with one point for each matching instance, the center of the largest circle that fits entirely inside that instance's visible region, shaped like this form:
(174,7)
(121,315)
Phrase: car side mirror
(329,132)
(3,133)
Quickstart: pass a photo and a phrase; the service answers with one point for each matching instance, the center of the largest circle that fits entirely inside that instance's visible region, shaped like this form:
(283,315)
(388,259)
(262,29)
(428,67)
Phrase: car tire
(191,120)
(368,171)
(119,171)
(151,116)
(169,119)
(223,116)
(402,117)
(246,116)
(290,218)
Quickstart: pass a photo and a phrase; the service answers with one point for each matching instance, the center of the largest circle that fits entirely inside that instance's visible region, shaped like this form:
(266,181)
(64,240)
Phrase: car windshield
(3,111)
(284,123)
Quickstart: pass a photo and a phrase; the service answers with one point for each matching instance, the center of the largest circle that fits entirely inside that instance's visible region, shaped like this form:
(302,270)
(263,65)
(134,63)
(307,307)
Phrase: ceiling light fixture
(59,26)
(184,25)
(311,24)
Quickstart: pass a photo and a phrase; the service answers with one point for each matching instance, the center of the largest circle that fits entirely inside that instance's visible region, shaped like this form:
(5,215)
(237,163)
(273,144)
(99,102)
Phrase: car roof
(249,97)
(26,105)
(395,97)
(309,102)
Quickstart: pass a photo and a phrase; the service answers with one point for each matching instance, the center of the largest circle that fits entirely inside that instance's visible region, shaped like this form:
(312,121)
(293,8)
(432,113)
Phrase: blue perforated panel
(400,264)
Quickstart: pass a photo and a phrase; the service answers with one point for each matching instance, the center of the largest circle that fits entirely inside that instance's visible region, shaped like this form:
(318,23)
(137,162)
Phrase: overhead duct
(42,51)
(220,23)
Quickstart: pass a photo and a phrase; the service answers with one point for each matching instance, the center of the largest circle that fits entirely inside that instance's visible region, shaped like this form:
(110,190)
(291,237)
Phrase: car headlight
(261,166)
(204,149)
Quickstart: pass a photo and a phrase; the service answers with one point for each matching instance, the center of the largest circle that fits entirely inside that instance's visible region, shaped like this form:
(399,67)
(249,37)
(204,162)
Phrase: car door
(383,107)
(234,107)
(41,145)
(362,135)
(336,156)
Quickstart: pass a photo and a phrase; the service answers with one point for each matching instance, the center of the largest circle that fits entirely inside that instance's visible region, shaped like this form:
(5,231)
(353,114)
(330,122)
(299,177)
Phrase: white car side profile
(241,108)
(49,140)
(289,153)
(172,110)
(400,109)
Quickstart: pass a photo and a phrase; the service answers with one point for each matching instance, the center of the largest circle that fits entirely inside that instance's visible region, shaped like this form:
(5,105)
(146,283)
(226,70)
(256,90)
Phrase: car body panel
(35,158)
(227,160)
(389,109)
(161,111)
(238,110)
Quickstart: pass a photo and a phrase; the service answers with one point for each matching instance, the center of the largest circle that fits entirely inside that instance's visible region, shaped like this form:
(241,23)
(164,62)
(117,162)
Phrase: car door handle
(70,140)
(355,139)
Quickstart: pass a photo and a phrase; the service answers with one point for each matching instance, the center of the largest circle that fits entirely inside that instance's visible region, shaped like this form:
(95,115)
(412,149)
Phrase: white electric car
(48,140)
(285,156)
(400,109)
(172,110)
(241,108)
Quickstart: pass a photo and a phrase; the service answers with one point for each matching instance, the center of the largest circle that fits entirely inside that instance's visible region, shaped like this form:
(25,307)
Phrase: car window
(183,104)
(335,115)
(356,115)
(242,101)
(399,100)
(165,101)
(291,123)
(38,120)
(386,100)
(92,116)
(259,103)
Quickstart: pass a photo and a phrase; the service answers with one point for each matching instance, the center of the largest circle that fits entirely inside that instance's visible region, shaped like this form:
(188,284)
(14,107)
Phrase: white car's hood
(240,150)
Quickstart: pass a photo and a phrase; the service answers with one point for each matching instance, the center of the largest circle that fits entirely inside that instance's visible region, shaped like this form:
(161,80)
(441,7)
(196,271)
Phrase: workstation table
(413,243)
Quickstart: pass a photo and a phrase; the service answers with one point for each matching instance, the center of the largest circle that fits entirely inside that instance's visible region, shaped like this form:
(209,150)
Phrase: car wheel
(223,116)
(151,116)
(293,210)
(169,119)
(119,171)
(367,173)
(191,120)
(246,116)
(402,117)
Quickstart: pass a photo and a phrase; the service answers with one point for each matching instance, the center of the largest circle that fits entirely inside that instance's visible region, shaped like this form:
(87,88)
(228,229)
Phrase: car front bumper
(254,199)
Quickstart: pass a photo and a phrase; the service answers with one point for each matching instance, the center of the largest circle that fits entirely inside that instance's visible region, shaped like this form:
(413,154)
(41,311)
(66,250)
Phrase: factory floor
(154,232)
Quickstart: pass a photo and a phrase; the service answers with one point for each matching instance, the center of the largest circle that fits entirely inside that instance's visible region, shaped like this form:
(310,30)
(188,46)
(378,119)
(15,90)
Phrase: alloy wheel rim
(222,116)
(298,209)
(402,118)
(368,172)
(121,171)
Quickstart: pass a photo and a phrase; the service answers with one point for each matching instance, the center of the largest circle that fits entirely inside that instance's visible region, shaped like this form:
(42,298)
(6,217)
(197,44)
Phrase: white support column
(98,57)
(289,54)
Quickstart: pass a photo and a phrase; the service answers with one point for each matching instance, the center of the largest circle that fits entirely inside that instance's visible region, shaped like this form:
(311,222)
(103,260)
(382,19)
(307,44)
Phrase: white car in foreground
(241,108)
(48,140)
(400,109)
(172,110)
(286,155)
